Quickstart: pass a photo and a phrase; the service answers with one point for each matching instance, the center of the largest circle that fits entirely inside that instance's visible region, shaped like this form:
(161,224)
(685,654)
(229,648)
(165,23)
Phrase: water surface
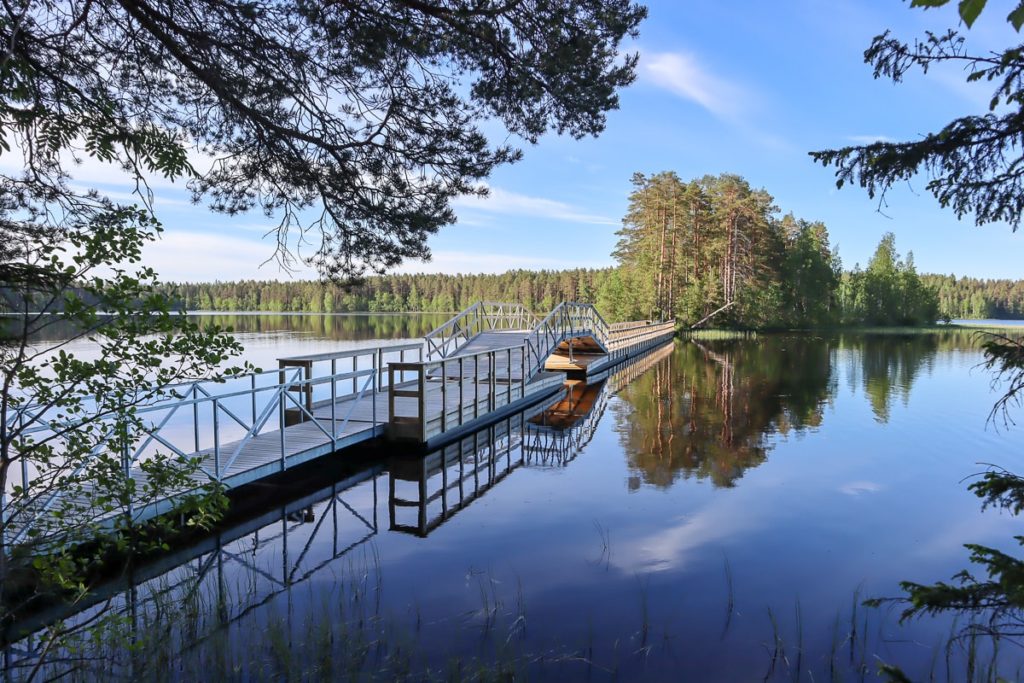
(712,511)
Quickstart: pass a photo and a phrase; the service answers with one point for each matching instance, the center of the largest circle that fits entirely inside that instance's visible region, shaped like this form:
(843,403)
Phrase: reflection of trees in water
(886,365)
(348,327)
(707,410)
(353,327)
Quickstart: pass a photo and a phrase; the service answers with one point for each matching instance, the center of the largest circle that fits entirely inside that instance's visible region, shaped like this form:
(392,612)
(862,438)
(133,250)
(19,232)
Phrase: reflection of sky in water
(797,477)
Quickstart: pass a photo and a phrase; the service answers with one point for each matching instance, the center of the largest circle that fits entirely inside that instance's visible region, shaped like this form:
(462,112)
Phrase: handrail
(480,317)
(349,353)
(160,432)
(567,319)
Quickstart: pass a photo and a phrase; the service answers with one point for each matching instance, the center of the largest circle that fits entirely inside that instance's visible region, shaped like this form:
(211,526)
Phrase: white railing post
(444,397)
(216,441)
(195,414)
(461,390)
(281,417)
(490,384)
(421,382)
(334,399)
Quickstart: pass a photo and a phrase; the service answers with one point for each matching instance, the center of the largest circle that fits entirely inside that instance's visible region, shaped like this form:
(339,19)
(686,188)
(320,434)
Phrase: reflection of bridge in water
(438,485)
(248,565)
(237,569)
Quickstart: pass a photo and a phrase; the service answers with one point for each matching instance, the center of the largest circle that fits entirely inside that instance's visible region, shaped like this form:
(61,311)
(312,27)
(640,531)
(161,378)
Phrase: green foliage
(970,10)
(736,394)
(689,249)
(70,422)
(977,298)
(431,293)
(888,292)
(354,124)
(973,162)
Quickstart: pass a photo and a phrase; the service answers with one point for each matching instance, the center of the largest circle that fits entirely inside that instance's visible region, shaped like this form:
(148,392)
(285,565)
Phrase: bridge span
(487,362)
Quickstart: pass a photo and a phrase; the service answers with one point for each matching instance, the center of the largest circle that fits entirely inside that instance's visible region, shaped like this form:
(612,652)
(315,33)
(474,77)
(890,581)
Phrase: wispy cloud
(194,256)
(512,203)
(124,196)
(445,261)
(683,75)
(738,104)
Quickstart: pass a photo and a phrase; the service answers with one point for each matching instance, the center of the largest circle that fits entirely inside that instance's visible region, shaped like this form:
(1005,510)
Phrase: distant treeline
(969,297)
(538,290)
(958,297)
(712,247)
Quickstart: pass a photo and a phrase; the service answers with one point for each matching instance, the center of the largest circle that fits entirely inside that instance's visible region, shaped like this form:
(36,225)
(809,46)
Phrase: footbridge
(495,358)
(489,361)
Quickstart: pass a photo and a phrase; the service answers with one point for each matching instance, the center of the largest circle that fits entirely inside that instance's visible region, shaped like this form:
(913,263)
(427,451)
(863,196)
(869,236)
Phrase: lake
(715,510)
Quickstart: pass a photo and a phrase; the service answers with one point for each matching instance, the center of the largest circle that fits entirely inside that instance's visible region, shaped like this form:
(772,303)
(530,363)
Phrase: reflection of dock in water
(239,568)
(435,486)
(441,483)
(485,363)
(556,443)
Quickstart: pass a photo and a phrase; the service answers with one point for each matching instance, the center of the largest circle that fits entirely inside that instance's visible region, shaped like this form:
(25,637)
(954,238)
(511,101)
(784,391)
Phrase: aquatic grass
(778,649)
(606,545)
(717,334)
(193,633)
(730,605)
(645,614)
(798,672)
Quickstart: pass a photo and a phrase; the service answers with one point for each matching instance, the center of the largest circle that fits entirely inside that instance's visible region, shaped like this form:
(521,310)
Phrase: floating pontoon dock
(487,362)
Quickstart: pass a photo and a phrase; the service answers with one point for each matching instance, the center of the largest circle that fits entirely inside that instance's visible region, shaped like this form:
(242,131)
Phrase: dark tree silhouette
(354,123)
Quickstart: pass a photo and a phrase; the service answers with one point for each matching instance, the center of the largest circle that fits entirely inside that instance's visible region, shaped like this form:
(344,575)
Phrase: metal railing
(423,407)
(452,477)
(217,422)
(544,446)
(483,316)
(235,571)
(571,319)
(448,392)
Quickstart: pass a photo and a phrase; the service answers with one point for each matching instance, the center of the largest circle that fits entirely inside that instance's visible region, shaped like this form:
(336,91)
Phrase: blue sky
(738,86)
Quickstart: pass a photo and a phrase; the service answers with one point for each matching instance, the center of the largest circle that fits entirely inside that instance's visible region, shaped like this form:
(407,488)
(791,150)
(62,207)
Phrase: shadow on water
(292,585)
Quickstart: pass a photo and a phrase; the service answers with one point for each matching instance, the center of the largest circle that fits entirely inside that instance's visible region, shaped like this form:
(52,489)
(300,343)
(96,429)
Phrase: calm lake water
(714,512)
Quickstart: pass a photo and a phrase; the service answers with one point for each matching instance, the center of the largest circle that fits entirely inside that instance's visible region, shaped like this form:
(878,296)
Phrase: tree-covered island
(712,251)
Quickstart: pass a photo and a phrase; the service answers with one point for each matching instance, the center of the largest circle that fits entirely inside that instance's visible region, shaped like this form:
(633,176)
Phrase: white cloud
(160,198)
(202,257)
(444,261)
(681,74)
(513,203)
(671,545)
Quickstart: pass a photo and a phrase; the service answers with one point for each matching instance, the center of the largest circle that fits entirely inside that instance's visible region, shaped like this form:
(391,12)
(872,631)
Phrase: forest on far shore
(959,297)
(710,246)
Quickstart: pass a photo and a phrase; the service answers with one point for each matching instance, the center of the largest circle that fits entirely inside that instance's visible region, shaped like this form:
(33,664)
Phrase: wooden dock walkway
(489,361)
